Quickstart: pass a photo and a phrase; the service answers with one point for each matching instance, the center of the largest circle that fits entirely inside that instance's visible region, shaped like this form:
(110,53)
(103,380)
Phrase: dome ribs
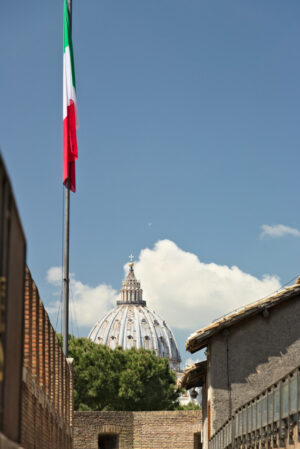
(139,342)
(123,325)
(132,324)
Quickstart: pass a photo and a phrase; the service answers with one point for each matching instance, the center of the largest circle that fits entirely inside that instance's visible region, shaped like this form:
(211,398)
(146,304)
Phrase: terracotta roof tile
(199,339)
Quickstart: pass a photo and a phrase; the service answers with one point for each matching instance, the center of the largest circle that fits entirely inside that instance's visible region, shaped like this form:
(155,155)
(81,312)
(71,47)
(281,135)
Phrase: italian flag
(70,122)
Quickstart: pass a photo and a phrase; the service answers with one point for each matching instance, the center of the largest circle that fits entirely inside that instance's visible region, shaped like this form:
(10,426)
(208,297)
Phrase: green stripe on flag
(68,39)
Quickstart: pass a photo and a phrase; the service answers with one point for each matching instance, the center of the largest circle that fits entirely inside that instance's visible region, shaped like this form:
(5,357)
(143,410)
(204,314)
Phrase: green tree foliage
(106,379)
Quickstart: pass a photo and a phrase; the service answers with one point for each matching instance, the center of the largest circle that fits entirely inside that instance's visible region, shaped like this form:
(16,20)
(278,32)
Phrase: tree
(106,379)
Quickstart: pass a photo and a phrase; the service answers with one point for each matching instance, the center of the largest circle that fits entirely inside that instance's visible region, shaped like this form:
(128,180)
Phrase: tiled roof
(193,376)
(199,339)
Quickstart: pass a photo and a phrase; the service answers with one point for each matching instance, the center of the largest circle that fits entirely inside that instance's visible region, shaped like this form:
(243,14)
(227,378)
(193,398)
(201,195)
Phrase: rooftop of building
(199,339)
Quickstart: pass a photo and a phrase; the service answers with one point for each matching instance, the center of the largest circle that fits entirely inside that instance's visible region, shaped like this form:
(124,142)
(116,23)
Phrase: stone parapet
(139,430)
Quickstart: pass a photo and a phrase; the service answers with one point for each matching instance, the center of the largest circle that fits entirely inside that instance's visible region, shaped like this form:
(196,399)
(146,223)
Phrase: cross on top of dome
(131,264)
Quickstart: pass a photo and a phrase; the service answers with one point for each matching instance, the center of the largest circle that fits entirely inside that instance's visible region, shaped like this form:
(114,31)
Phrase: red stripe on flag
(70,149)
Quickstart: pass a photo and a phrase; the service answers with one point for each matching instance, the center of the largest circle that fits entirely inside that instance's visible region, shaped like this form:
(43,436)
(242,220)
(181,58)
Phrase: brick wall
(172,430)
(12,274)
(139,430)
(47,380)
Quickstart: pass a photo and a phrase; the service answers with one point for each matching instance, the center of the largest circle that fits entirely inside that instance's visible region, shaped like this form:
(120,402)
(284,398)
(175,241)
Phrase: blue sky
(189,133)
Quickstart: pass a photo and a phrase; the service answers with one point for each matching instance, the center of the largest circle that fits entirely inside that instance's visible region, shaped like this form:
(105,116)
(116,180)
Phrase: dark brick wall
(47,380)
(139,430)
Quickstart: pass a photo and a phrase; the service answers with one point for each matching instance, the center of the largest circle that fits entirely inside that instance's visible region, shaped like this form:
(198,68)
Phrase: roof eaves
(199,339)
(193,376)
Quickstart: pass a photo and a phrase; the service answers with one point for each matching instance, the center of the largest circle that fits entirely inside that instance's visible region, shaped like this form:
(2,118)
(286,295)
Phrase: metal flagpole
(66,280)
(66,270)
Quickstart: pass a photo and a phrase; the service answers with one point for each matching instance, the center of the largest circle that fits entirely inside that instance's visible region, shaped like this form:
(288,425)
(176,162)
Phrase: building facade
(247,352)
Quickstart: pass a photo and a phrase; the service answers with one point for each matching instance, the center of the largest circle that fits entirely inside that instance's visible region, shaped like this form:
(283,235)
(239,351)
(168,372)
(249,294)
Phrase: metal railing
(267,420)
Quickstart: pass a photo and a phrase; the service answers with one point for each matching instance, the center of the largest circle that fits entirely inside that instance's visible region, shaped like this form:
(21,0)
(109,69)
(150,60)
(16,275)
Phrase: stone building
(247,351)
(132,324)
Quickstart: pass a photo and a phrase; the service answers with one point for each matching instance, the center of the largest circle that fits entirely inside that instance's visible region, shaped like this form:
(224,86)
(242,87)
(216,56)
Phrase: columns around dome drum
(131,292)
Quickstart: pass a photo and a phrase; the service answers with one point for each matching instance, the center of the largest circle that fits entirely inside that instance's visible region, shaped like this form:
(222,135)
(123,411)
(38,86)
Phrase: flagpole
(66,280)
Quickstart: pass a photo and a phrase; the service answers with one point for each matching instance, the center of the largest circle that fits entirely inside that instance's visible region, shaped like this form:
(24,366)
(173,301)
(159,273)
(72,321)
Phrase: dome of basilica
(131,324)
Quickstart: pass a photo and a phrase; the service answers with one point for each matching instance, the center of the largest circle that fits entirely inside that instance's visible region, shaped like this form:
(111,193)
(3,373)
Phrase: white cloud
(186,292)
(54,276)
(278,230)
(190,294)
(190,361)
(87,303)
